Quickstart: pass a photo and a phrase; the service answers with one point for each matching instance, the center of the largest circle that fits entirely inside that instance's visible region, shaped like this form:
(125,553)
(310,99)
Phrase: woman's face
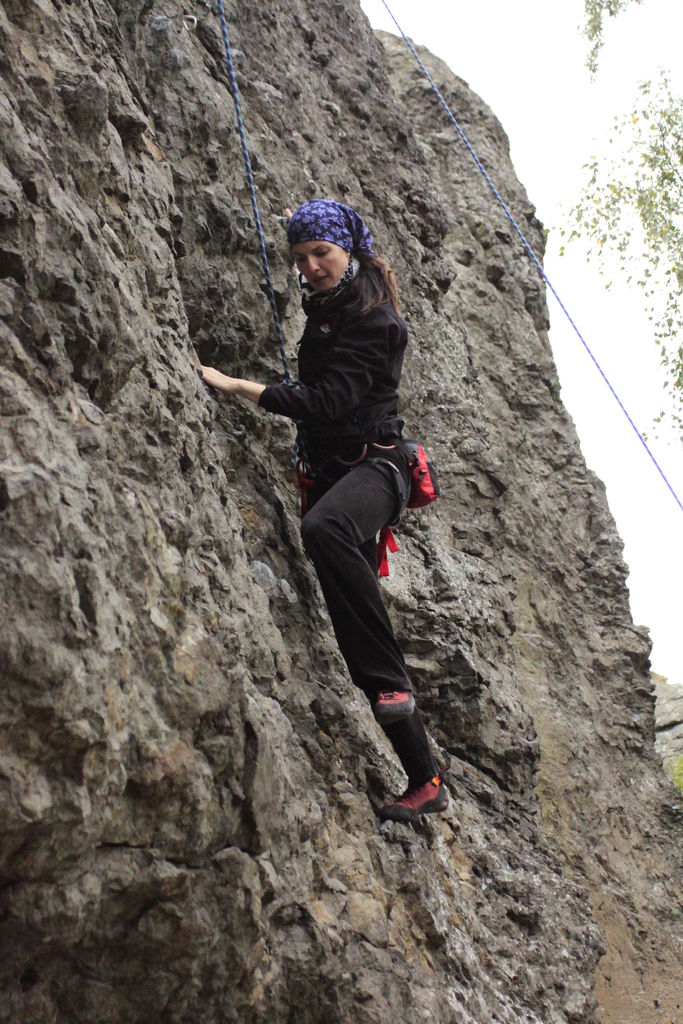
(322,263)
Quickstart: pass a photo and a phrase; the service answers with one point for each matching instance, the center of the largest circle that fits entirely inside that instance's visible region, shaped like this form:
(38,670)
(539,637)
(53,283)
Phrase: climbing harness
(529,249)
(422,489)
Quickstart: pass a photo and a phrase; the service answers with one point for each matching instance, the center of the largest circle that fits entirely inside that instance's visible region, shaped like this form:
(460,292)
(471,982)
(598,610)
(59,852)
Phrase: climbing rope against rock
(529,248)
(299,448)
(252,189)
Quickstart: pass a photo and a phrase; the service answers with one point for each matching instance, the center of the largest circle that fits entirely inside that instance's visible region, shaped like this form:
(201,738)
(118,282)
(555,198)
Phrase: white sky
(527,61)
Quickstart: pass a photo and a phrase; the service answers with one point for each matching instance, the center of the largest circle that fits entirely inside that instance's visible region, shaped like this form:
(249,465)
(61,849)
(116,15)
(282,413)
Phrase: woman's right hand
(232,385)
(215,379)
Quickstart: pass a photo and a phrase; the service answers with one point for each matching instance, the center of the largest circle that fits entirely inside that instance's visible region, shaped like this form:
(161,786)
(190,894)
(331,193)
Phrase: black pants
(339,535)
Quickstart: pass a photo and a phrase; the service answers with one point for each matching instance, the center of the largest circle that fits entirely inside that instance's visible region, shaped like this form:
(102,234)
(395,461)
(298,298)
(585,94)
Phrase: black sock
(409,739)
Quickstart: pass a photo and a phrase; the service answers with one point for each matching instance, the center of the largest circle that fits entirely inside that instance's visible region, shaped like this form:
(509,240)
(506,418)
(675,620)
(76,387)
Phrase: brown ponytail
(375,283)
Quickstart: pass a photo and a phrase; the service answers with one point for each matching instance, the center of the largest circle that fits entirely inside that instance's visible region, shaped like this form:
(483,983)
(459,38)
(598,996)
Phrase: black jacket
(349,368)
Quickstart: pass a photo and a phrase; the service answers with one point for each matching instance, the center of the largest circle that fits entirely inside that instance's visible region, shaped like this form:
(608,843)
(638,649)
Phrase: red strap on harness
(387,541)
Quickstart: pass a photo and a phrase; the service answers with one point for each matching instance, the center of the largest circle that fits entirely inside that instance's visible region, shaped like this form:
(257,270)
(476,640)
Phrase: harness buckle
(353,462)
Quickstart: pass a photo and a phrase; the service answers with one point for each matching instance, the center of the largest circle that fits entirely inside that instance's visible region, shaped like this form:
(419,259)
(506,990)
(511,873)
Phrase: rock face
(669,723)
(188,776)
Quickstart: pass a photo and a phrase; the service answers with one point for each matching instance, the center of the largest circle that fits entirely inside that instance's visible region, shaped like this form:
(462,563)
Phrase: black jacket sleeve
(361,351)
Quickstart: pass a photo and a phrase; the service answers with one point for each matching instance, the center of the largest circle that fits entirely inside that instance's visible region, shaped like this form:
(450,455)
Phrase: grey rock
(268,90)
(669,722)
(264,576)
(189,779)
(275,588)
(160,23)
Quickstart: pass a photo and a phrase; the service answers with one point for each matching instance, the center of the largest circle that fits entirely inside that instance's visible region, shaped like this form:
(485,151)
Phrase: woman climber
(346,405)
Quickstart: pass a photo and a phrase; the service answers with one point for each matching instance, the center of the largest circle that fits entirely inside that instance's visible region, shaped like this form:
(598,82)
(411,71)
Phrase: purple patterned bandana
(322,220)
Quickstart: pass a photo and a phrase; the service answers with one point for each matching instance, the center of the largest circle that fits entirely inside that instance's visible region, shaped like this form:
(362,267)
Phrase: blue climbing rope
(300,447)
(252,190)
(529,249)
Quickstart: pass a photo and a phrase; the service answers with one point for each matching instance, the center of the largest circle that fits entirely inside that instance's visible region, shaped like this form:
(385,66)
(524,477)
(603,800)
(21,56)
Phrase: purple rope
(530,251)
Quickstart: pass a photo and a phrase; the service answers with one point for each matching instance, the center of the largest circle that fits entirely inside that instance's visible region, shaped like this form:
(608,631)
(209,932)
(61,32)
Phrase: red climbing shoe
(430,798)
(392,705)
